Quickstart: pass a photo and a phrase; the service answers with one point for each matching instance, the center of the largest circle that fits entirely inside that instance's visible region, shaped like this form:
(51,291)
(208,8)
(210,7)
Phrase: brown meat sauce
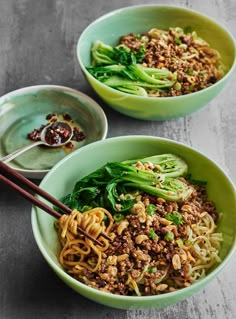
(152,261)
(196,63)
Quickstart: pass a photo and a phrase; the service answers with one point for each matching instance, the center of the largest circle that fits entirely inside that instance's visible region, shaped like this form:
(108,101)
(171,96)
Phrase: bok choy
(114,185)
(120,68)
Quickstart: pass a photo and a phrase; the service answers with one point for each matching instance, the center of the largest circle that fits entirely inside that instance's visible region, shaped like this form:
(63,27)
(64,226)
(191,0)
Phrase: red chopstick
(6,169)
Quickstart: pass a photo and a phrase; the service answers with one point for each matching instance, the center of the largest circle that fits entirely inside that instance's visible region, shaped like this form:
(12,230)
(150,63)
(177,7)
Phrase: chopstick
(30,197)
(7,169)
(34,187)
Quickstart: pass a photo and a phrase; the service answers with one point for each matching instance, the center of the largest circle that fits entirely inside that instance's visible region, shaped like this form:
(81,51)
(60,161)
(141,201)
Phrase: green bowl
(23,110)
(139,19)
(62,177)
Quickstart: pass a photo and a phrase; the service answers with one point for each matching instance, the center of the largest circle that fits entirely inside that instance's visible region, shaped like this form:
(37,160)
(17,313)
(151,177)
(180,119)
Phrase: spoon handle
(18,152)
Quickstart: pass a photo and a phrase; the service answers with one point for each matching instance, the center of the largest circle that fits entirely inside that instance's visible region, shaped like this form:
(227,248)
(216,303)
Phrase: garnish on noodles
(159,243)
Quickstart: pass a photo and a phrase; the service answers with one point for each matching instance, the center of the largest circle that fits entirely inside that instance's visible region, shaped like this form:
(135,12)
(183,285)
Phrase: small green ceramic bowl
(61,179)
(138,19)
(24,110)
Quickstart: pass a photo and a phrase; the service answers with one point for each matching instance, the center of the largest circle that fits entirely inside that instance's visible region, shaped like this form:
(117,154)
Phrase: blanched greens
(119,67)
(103,54)
(115,185)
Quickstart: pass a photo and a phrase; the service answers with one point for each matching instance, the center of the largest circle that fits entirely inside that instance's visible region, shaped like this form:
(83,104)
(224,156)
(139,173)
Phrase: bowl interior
(24,110)
(60,180)
(140,19)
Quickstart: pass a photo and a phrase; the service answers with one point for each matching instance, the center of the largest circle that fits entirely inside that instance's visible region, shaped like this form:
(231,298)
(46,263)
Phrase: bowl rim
(36,88)
(81,286)
(141,6)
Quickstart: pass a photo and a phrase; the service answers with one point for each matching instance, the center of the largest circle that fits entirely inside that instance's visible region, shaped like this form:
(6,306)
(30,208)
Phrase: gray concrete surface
(37,46)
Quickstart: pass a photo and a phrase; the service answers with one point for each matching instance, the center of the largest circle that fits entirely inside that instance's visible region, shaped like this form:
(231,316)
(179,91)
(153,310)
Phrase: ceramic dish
(23,110)
(61,179)
(142,18)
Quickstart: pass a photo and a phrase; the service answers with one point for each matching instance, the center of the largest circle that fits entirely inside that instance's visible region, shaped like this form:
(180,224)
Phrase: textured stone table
(38,46)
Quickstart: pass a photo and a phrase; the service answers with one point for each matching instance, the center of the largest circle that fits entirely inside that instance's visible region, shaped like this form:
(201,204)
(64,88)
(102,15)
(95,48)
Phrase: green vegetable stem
(113,185)
(120,68)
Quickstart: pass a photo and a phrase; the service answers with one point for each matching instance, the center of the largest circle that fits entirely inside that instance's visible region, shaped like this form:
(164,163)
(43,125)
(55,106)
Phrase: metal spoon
(53,135)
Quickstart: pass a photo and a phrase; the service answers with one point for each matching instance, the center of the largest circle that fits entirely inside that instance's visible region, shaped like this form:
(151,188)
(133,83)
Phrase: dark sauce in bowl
(59,132)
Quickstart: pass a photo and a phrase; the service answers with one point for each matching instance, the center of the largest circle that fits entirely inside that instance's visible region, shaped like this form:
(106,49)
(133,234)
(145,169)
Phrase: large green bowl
(138,19)
(60,180)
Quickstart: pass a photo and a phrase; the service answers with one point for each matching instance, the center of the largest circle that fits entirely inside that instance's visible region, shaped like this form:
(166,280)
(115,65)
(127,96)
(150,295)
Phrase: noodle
(148,254)
(205,247)
(78,251)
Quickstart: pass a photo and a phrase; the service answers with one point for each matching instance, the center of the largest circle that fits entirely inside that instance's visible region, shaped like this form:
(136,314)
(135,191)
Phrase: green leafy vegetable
(152,270)
(200,73)
(109,185)
(189,71)
(151,209)
(118,217)
(119,68)
(178,40)
(166,165)
(103,54)
(152,234)
(169,236)
(175,217)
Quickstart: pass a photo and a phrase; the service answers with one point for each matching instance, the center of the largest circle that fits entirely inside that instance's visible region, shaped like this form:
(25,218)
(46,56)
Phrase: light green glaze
(139,19)
(60,180)
(24,110)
